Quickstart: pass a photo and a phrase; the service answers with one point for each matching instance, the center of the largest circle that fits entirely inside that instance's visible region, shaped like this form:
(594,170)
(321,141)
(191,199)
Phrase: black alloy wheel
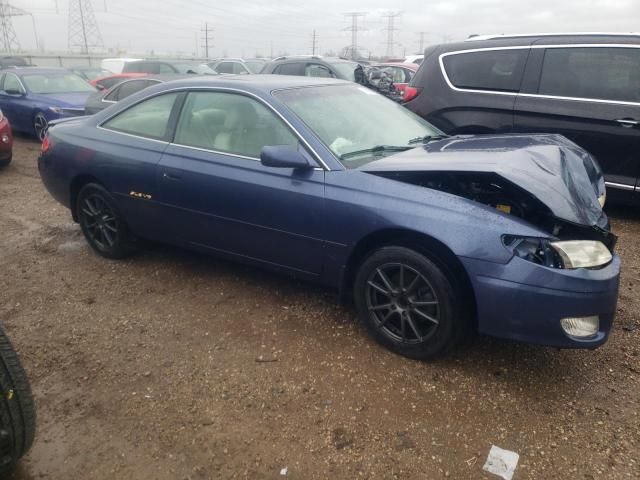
(40,125)
(101,223)
(409,304)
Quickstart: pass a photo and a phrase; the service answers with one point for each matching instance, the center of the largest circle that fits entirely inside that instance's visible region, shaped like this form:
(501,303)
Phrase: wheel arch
(424,244)
(74,189)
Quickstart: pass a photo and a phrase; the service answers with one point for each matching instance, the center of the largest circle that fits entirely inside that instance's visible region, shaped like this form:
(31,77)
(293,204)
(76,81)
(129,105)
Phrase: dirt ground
(172,365)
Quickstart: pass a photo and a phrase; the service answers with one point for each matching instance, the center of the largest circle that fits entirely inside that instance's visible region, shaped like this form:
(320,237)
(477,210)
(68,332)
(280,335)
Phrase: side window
(290,69)
(11,83)
(499,70)
(606,73)
(163,68)
(149,118)
(110,82)
(315,70)
(112,96)
(227,122)
(224,67)
(131,87)
(239,68)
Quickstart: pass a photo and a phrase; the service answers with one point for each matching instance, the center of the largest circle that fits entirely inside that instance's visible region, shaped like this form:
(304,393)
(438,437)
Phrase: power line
(391,29)
(83,27)
(9,38)
(314,42)
(354,28)
(421,34)
(207,38)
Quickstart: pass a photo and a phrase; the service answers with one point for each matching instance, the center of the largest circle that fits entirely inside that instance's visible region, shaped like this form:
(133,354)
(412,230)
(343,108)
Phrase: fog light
(581,327)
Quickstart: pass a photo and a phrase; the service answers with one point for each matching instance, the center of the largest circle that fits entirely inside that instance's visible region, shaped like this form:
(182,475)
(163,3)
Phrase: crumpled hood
(561,175)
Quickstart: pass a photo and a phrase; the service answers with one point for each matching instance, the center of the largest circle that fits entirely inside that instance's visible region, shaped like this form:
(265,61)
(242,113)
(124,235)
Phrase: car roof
(524,40)
(410,66)
(40,70)
(253,83)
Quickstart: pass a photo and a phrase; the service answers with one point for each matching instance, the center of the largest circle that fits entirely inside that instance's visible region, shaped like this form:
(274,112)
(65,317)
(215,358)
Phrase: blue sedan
(32,97)
(433,237)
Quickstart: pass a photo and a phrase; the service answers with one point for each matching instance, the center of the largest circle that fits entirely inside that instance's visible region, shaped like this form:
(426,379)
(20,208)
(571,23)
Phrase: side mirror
(100,87)
(283,156)
(13,91)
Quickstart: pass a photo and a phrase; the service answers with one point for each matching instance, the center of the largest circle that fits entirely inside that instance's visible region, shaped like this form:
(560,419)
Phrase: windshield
(254,66)
(200,69)
(346,70)
(353,120)
(42,83)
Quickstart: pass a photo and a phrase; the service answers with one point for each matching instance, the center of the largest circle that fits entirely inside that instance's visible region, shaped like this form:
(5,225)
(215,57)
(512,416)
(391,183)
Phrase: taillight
(410,93)
(46,143)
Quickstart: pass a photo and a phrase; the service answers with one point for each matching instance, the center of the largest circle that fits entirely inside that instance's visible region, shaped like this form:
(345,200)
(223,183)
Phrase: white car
(116,65)
(417,59)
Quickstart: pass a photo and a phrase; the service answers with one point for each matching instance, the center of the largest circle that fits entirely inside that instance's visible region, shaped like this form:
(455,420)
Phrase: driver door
(218,195)
(15,105)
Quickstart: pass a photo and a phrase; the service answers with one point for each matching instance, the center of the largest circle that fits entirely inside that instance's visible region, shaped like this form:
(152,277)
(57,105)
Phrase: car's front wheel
(101,222)
(40,125)
(408,303)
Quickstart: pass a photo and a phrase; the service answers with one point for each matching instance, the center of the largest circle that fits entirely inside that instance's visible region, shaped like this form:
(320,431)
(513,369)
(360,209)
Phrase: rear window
(605,73)
(499,70)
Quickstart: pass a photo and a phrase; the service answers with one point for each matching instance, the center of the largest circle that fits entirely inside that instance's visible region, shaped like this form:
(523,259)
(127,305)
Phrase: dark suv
(583,86)
(314,66)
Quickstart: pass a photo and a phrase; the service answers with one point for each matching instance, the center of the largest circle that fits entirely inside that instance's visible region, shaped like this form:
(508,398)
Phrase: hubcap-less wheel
(402,303)
(100,221)
(40,126)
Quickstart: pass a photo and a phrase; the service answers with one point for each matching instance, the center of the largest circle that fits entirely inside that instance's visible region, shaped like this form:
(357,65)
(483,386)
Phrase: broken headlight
(561,254)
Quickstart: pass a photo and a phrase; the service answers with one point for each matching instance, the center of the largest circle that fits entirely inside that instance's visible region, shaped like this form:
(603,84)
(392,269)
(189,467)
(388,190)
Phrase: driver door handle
(169,176)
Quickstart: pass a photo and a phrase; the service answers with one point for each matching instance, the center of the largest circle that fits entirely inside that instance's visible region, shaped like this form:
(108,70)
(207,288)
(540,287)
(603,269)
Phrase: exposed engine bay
(493,190)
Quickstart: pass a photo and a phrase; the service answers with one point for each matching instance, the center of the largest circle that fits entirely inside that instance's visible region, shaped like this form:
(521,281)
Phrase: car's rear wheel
(408,303)
(102,224)
(17,410)
(40,125)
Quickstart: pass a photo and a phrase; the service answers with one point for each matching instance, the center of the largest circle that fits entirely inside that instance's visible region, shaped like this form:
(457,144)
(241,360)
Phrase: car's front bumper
(524,301)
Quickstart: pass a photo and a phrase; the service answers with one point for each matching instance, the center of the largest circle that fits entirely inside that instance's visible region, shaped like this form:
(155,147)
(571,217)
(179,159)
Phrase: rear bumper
(523,301)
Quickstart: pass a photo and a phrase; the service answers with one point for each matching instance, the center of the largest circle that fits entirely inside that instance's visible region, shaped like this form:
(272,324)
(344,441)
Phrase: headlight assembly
(561,254)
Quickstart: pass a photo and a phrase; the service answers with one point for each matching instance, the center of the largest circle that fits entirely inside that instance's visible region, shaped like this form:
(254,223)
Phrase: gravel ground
(172,365)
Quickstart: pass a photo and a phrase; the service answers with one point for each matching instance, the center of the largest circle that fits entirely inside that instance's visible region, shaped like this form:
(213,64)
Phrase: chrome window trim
(621,186)
(534,95)
(217,89)
(221,152)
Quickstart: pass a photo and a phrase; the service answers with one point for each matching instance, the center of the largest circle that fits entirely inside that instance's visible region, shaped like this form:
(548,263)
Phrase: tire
(40,125)
(102,224)
(5,163)
(412,307)
(17,409)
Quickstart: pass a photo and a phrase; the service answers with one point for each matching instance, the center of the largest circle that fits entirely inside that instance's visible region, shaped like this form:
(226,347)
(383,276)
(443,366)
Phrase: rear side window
(134,86)
(146,119)
(604,73)
(225,67)
(316,70)
(499,70)
(290,69)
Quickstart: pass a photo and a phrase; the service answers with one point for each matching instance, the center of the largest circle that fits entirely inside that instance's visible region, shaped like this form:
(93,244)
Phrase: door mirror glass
(14,91)
(283,156)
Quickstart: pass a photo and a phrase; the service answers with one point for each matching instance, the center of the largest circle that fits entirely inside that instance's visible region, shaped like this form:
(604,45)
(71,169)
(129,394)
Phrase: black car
(155,67)
(316,66)
(11,62)
(105,98)
(585,87)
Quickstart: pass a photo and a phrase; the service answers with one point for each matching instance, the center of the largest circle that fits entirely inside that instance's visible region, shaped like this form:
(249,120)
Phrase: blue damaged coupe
(433,237)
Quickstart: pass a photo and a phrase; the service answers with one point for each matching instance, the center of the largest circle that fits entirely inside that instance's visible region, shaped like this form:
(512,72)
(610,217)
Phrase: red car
(105,83)
(402,73)
(6,141)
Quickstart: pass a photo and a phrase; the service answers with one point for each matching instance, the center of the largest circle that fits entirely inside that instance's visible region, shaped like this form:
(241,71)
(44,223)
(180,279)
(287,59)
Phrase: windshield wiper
(374,150)
(426,139)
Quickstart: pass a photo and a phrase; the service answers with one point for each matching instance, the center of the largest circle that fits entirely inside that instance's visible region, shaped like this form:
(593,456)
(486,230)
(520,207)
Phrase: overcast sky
(247,28)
